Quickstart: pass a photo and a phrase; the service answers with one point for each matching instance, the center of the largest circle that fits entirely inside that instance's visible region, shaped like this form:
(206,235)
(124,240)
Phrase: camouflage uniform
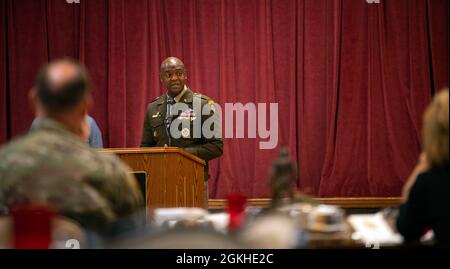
(52,166)
(155,133)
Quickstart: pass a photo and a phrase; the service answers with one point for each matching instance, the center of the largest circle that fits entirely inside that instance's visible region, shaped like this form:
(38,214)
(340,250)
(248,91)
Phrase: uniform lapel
(162,106)
(187,97)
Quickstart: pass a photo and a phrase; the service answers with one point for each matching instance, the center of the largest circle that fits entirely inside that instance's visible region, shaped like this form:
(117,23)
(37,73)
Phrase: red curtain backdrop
(351,78)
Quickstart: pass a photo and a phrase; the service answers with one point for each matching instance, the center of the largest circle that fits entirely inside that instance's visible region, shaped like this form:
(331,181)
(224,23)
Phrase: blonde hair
(435,130)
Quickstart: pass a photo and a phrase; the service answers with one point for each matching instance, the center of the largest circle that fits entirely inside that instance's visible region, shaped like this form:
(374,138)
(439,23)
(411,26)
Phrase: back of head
(272,230)
(178,238)
(435,130)
(61,85)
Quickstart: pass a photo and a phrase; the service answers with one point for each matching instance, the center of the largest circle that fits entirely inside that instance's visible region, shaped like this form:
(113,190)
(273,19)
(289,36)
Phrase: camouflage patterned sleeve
(122,190)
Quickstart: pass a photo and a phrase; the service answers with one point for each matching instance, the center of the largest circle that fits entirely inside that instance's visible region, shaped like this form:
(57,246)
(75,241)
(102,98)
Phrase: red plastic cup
(32,227)
(236,210)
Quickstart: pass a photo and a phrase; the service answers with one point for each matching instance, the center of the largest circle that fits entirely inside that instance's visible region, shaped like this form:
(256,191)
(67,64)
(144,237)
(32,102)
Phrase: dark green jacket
(155,133)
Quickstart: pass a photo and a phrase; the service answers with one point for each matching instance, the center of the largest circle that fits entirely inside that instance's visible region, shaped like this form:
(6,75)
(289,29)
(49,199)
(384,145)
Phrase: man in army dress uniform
(159,129)
(53,164)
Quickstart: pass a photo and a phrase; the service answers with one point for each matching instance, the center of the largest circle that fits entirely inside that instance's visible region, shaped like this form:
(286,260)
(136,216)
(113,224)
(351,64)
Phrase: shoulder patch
(157,99)
(205,98)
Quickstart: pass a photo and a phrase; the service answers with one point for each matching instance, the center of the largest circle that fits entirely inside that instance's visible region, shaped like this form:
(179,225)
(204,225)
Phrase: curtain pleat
(351,79)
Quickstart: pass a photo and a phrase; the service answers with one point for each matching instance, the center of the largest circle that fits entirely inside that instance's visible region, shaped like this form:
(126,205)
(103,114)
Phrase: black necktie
(169,117)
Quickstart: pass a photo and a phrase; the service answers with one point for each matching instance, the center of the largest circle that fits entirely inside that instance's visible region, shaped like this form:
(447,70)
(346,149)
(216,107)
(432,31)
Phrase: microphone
(169,117)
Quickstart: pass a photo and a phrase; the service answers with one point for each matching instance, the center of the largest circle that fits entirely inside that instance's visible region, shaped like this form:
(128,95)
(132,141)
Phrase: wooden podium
(174,177)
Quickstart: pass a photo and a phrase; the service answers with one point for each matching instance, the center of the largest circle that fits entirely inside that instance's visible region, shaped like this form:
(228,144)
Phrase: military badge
(185,133)
(187,115)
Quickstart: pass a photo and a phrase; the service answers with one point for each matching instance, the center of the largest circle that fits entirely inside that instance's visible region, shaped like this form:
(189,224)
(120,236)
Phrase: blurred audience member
(273,231)
(426,202)
(95,135)
(53,165)
(180,237)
